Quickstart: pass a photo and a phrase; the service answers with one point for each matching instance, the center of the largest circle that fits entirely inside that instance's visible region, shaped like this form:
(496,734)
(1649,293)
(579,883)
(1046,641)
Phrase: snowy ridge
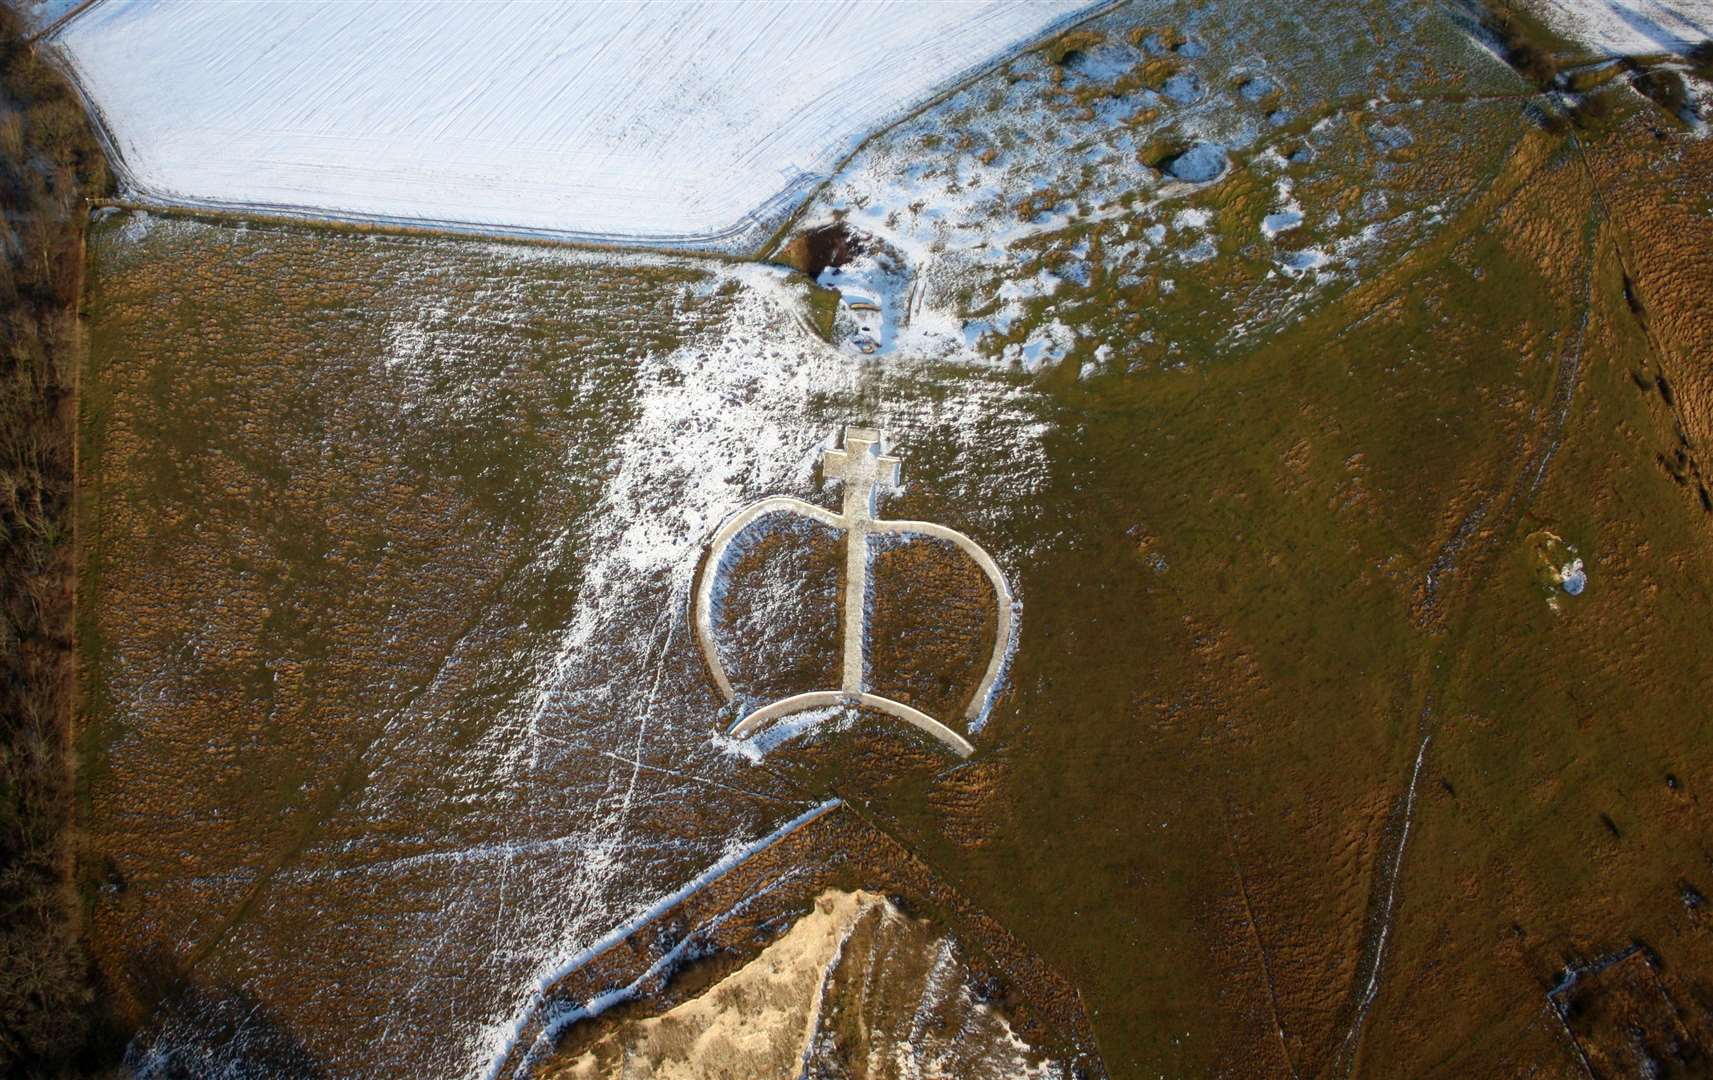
(685,123)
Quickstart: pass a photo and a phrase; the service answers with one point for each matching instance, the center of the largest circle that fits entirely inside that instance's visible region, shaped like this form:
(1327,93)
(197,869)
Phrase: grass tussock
(1701,59)
(1522,44)
(1067,48)
(1664,88)
(49,162)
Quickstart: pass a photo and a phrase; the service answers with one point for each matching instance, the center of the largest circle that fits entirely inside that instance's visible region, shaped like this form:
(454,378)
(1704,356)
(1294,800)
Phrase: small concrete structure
(866,471)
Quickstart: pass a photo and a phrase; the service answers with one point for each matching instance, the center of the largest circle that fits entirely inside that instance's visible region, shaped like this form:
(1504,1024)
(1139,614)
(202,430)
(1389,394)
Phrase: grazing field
(663,123)
(1351,726)
(388,544)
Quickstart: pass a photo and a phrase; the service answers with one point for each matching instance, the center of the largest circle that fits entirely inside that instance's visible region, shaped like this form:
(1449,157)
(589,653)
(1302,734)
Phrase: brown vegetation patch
(779,621)
(932,626)
(1168,37)
(318,494)
(49,162)
(1626,1021)
(1161,151)
(1067,49)
(1522,43)
(817,249)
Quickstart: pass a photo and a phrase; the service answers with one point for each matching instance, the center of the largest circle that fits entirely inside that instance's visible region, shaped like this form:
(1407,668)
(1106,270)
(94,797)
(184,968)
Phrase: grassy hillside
(1308,763)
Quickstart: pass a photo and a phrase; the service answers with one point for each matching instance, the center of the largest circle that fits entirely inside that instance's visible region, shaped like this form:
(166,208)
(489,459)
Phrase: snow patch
(1281,221)
(1183,88)
(1200,164)
(1050,342)
(1305,260)
(1256,90)
(1195,218)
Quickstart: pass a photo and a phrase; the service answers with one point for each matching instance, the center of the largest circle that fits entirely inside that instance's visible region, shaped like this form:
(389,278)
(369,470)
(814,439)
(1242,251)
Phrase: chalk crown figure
(866,471)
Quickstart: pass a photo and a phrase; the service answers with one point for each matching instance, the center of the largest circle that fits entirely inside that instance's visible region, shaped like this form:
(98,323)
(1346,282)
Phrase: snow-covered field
(681,122)
(1632,27)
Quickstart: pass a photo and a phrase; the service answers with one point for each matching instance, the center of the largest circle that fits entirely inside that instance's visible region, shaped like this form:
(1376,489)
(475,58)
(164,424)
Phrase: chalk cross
(863,467)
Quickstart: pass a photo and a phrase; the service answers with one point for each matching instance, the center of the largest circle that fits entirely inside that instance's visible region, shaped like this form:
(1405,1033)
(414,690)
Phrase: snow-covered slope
(1632,27)
(670,122)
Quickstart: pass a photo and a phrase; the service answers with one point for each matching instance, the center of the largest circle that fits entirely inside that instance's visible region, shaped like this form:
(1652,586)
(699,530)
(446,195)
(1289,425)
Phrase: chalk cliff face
(855,989)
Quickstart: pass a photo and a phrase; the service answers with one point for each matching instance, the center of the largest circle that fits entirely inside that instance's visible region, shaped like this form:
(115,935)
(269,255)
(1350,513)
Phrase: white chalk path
(865,470)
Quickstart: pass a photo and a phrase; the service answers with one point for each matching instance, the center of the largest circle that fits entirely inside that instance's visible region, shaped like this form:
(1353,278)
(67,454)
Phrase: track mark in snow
(692,777)
(1347,1052)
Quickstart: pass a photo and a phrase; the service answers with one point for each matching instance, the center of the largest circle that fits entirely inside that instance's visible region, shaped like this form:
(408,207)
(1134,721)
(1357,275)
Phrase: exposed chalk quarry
(682,123)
